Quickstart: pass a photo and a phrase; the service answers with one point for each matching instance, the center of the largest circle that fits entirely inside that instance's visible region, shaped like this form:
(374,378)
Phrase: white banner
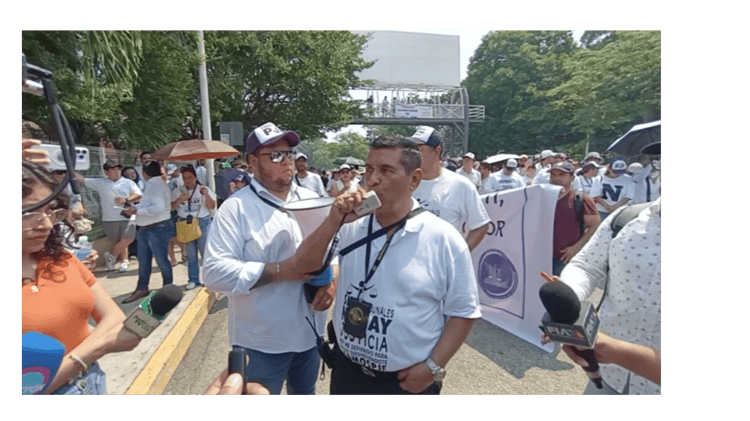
(413,111)
(508,262)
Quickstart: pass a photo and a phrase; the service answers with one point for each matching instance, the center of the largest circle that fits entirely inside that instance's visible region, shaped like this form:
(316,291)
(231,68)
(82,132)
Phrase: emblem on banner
(497,276)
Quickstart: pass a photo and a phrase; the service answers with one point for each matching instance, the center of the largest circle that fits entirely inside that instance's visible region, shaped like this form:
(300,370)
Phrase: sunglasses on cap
(278,156)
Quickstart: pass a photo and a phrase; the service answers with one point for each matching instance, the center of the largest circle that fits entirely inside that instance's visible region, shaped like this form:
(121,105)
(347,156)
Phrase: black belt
(145,227)
(384,376)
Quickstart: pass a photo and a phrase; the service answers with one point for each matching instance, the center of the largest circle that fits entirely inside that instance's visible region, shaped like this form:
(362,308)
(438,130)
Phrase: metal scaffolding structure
(445,108)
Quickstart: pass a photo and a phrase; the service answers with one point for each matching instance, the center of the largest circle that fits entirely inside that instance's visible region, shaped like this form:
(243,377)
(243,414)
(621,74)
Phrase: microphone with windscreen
(568,321)
(152,311)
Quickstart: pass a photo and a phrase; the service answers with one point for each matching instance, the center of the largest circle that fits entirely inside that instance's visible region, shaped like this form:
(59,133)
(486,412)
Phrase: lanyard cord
(371,237)
(266,201)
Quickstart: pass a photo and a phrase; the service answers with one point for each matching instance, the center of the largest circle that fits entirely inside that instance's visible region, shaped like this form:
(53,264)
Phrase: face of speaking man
(387,177)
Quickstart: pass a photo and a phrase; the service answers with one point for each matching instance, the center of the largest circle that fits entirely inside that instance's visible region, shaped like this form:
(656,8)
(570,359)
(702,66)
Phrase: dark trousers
(348,378)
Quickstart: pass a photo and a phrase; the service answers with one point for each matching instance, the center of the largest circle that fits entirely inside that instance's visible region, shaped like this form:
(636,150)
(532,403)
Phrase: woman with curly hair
(59,293)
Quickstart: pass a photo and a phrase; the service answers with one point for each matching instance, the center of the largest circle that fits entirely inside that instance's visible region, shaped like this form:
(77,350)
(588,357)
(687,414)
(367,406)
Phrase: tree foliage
(504,73)
(322,154)
(93,73)
(141,89)
(611,88)
(296,79)
(542,91)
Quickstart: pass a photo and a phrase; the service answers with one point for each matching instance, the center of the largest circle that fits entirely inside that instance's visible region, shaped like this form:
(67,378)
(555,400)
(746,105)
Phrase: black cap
(652,149)
(111,164)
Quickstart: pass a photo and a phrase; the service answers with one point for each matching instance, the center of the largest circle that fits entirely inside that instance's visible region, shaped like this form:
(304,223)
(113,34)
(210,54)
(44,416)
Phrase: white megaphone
(310,213)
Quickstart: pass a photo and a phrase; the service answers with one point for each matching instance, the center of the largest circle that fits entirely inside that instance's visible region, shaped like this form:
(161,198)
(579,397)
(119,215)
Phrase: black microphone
(153,310)
(568,322)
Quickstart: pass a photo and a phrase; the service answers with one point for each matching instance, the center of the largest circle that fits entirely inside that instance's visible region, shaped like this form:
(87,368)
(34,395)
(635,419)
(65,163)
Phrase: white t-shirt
(488,185)
(612,190)
(586,183)
(427,272)
(505,182)
(312,182)
(108,190)
(196,204)
(541,177)
(474,176)
(453,198)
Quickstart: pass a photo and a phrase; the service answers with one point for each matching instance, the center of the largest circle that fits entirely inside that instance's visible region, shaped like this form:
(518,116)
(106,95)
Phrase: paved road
(491,362)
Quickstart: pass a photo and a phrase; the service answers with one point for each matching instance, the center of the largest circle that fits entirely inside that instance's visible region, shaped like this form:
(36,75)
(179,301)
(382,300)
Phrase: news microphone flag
(568,321)
(152,311)
(41,358)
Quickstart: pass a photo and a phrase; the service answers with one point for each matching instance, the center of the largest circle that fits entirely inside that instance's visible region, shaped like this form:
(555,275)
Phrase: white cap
(635,168)
(512,163)
(344,167)
(171,168)
(547,154)
(300,155)
(469,155)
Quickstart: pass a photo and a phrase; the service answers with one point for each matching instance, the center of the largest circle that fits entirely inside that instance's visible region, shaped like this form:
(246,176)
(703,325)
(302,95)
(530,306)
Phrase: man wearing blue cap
(614,189)
(248,253)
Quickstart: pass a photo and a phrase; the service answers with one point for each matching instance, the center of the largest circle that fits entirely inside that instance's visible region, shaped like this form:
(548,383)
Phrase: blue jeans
(299,369)
(154,242)
(557,266)
(192,248)
(92,382)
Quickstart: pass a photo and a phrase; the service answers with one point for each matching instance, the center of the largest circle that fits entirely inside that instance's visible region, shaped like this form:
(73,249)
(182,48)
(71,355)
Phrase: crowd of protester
(249,251)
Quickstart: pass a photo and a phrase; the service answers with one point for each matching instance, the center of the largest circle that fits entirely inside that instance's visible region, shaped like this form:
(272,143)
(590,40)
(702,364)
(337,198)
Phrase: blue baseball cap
(426,135)
(618,166)
(266,135)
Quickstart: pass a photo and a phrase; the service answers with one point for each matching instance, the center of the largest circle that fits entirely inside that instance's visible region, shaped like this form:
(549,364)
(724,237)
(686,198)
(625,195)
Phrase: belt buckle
(368,371)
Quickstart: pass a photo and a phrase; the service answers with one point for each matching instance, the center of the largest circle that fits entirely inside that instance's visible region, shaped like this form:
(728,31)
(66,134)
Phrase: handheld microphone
(153,310)
(568,322)
(41,358)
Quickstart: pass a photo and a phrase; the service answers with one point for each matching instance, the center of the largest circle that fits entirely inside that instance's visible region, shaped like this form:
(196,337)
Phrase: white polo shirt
(246,234)
(426,272)
(453,198)
(108,190)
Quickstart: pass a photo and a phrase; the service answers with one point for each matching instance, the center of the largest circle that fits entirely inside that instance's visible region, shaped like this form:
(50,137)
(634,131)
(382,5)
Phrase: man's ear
(415,178)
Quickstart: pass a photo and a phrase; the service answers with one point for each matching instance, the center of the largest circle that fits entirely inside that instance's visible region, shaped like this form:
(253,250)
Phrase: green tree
(93,73)
(296,79)
(611,88)
(504,74)
(165,95)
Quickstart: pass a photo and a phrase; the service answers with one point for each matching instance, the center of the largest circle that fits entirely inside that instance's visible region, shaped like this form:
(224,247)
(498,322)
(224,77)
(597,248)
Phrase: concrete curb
(154,377)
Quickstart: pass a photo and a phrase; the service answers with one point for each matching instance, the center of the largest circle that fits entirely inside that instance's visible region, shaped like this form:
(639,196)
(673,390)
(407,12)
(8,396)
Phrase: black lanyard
(266,201)
(191,198)
(370,238)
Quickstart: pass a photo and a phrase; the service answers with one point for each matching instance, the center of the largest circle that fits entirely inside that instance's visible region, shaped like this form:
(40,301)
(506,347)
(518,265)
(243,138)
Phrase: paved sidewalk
(122,368)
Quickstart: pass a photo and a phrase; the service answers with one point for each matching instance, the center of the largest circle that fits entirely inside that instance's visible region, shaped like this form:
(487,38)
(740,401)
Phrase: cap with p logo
(268,134)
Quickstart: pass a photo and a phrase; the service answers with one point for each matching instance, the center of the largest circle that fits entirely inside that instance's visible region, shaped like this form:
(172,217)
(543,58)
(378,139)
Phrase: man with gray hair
(396,328)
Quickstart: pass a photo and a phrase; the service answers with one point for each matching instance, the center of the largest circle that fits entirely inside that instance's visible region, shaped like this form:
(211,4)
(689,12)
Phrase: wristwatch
(437,372)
